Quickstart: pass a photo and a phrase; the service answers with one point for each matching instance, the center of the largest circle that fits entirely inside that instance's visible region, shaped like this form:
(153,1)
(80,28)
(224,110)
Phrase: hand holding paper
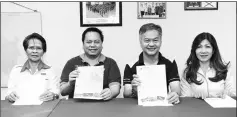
(47,96)
(135,82)
(153,89)
(73,75)
(90,83)
(106,94)
(29,92)
(12,96)
(173,98)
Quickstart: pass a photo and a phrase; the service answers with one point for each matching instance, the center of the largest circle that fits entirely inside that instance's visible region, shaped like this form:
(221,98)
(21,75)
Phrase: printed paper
(89,83)
(30,91)
(153,88)
(227,102)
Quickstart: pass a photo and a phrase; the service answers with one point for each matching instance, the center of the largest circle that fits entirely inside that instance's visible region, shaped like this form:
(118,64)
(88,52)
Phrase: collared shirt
(171,69)
(208,88)
(21,75)
(111,73)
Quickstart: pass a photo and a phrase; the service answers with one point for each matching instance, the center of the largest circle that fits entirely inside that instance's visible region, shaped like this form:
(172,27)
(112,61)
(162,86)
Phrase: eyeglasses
(35,48)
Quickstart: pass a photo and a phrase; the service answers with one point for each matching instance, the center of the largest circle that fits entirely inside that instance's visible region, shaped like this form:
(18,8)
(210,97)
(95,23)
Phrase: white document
(227,102)
(153,88)
(89,83)
(30,91)
(27,102)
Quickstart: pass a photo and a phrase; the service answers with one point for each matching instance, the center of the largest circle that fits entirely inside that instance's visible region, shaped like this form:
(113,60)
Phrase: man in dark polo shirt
(92,39)
(150,40)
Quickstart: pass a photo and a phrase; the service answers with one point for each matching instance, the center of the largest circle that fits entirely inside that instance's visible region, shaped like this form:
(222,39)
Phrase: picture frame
(151,10)
(100,14)
(197,5)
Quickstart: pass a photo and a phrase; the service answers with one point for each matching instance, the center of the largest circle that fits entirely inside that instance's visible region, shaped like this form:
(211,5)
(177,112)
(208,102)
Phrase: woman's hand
(12,97)
(47,96)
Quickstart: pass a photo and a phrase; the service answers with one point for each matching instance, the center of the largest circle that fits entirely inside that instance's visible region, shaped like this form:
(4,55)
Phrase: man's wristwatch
(55,96)
(134,93)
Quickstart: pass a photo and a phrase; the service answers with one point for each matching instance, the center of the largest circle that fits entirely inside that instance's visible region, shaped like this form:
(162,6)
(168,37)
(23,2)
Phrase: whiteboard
(15,27)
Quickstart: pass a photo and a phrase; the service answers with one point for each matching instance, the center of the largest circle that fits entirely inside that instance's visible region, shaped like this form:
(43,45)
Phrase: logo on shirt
(43,73)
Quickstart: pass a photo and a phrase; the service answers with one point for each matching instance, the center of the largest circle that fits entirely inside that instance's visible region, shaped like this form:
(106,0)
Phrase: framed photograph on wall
(100,14)
(200,5)
(151,10)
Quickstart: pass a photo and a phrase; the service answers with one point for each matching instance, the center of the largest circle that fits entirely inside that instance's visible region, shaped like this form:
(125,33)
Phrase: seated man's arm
(114,79)
(173,95)
(115,89)
(175,87)
(128,89)
(174,79)
(66,87)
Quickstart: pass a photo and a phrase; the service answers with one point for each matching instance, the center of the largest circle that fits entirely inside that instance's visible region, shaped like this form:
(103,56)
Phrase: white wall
(61,28)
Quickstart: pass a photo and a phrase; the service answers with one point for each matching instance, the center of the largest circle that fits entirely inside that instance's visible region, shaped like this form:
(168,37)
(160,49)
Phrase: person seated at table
(150,37)
(92,39)
(34,68)
(206,75)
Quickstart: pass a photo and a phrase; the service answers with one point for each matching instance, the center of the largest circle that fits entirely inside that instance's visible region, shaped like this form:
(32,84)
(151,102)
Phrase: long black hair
(190,72)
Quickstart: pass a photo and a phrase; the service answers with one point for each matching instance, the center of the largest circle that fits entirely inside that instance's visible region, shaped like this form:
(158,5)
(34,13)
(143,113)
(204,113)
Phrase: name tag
(43,73)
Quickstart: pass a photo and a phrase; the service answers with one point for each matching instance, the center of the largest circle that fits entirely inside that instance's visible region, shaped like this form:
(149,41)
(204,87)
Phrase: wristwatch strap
(55,96)
(134,93)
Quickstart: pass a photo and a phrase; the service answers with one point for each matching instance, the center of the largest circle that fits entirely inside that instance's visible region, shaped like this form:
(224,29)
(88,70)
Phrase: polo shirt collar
(141,59)
(40,66)
(86,59)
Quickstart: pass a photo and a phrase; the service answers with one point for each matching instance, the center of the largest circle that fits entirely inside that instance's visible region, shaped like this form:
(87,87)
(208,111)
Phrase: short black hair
(34,36)
(92,29)
(150,26)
